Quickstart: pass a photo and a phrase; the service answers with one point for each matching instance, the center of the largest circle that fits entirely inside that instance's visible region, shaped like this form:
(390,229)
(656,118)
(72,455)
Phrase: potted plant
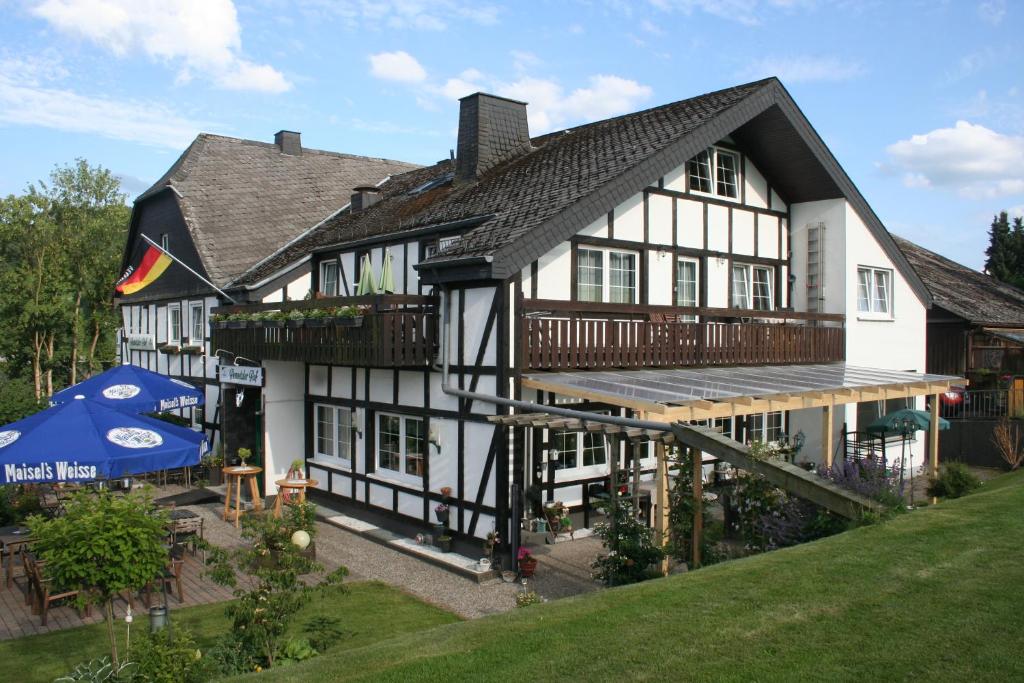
(237,321)
(316,317)
(527,562)
(297,472)
(441,512)
(243,455)
(213,462)
(493,539)
(219,321)
(444,543)
(349,316)
(295,318)
(274,319)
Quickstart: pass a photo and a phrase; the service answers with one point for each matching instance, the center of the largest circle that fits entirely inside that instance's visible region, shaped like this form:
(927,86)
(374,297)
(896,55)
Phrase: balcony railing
(561,335)
(393,331)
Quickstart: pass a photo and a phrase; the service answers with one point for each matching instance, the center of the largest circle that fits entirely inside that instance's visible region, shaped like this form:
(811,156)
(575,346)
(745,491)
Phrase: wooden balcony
(562,335)
(395,331)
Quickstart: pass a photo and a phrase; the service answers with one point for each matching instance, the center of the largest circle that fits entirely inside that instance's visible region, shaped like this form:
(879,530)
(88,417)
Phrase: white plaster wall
(690,227)
(718,282)
(659,291)
(284,419)
(756,187)
(299,288)
(474,322)
(599,228)
(832,212)
(767,236)
(554,273)
(742,232)
(718,228)
(629,219)
(659,219)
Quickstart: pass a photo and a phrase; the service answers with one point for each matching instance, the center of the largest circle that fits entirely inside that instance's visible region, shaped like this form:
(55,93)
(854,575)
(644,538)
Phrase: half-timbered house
(707,260)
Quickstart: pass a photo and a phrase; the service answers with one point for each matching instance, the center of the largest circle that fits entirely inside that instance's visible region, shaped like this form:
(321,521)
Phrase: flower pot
(236,324)
(316,322)
(219,324)
(442,517)
(527,567)
(444,544)
(294,323)
(273,323)
(349,322)
(214,474)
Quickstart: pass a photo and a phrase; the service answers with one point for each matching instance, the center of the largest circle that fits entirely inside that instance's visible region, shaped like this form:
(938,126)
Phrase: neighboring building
(584,268)
(976,325)
(224,205)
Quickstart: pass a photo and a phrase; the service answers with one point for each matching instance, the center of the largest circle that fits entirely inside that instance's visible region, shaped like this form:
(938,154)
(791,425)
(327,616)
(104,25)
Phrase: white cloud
(804,69)
(397,66)
(524,61)
(652,28)
(1016,210)
(992,11)
(400,14)
(550,107)
(24,102)
(197,37)
(970,159)
(575,29)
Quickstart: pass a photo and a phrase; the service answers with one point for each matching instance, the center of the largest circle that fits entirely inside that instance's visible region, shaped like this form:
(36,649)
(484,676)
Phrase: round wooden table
(299,485)
(236,477)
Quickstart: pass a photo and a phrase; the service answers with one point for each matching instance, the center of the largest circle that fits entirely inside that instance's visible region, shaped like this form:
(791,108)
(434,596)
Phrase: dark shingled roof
(978,298)
(537,200)
(243,199)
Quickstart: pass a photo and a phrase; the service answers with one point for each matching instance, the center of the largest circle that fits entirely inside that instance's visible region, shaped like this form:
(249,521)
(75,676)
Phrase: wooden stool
(299,485)
(236,476)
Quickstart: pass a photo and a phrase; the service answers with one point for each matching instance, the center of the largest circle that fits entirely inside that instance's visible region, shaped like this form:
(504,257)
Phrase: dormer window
(724,182)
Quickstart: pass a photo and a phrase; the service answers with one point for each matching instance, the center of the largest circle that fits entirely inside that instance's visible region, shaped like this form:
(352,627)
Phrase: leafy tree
(103,545)
(17,399)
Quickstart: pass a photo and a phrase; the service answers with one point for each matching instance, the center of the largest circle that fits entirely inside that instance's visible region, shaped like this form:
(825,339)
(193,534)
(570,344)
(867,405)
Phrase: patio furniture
(186,528)
(12,540)
(291,488)
(45,591)
(236,478)
(170,575)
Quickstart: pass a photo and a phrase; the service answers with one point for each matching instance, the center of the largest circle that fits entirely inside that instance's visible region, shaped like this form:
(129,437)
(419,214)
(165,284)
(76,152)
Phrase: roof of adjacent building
(976,297)
(530,204)
(243,199)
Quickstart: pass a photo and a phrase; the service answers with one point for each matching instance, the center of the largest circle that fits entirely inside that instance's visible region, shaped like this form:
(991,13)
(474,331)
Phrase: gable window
(329,277)
(874,291)
(752,287)
(401,446)
(333,433)
(197,331)
(605,275)
(174,324)
(686,285)
(725,182)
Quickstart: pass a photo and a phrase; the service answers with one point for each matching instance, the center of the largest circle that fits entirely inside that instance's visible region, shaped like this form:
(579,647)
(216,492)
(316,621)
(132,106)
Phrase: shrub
(867,478)
(681,514)
(167,658)
(527,598)
(1008,442)
(631,549)
(954,480)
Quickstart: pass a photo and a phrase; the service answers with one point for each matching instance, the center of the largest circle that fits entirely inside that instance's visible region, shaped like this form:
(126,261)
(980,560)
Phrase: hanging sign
(245,375)
(138,341)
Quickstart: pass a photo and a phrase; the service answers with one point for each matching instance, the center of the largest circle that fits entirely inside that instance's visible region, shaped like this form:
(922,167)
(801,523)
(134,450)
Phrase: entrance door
(242,428)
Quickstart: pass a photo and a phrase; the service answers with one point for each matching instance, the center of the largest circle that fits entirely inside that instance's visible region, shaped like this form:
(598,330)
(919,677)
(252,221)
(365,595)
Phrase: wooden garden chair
(171,575)
(189,531)
(45,592)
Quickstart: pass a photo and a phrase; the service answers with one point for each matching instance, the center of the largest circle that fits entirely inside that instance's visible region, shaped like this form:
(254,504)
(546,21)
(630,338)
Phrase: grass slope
(929,596)
(369,612)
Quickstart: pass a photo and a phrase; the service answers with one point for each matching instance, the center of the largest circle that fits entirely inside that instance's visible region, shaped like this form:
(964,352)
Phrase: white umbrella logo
(121,391)
(134,437)
(8,437)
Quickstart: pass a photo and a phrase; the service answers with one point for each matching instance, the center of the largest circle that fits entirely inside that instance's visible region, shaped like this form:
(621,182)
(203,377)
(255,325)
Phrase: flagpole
(186,267)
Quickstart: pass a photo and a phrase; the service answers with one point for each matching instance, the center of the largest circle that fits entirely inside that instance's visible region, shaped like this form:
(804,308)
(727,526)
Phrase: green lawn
(369,612)
(933,595)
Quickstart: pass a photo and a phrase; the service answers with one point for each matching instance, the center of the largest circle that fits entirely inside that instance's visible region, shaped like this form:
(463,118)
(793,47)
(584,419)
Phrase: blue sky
(922,102)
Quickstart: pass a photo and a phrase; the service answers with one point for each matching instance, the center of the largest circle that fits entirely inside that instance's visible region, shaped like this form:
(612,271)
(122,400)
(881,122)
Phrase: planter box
(316,322)
(171,349)
(236,324)
(192,348)
(273,323)
(294,323)
(347,322)
(219,324)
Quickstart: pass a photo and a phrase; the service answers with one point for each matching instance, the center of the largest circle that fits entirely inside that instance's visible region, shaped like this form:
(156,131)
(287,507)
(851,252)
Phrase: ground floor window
(333,432)
(764,427)
(401,445)
(570,450)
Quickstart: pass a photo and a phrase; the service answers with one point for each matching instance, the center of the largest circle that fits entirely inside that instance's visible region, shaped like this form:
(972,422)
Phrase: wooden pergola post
(661,520)
(698,505)
(827,434)
(933,439)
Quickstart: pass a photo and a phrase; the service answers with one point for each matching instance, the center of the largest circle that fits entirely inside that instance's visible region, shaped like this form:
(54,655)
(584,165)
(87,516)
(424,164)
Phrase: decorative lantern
(301,539)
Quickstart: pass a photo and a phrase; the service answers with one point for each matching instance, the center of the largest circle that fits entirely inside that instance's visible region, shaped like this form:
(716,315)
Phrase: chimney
(364,197)
(492,129)
(289,141)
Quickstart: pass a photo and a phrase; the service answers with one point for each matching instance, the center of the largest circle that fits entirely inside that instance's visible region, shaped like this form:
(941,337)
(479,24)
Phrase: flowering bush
(493,539)
(631,549)
(868,478)
(527,598)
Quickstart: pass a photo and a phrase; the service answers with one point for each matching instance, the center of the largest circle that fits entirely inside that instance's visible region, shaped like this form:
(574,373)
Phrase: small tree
(1007,440)
(103,545)
(631,547)
(681,513)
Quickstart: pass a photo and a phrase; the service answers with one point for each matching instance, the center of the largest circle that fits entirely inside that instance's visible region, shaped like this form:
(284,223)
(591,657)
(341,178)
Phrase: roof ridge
(314,150)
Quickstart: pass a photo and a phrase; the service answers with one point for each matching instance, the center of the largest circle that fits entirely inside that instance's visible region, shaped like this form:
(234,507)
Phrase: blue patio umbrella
(134,389)
(83,440)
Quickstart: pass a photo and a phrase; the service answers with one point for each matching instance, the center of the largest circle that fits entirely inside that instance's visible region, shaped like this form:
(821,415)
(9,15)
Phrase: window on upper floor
(174,324)
(329,277)
(432,249)
(724,182)
(606,275)
(686,284)
(197,330)
(874,291)
(752,287)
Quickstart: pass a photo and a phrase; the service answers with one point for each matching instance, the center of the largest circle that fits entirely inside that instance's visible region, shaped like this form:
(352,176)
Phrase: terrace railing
(562,335)
(393,331)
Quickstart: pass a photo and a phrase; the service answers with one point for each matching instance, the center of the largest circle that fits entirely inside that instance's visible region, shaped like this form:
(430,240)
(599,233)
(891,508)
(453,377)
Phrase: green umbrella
(905,420)
(387,274)
(366,284)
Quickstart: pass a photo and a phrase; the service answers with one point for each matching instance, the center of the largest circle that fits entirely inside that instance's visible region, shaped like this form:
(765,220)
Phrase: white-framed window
(329,277)
(401,446)
(874,291)
(434,248)
(725,180)
(573,450)
(687,272)
(606,275)
(332,433)
(174,324)
(752,287)
(197,330)
(764,427)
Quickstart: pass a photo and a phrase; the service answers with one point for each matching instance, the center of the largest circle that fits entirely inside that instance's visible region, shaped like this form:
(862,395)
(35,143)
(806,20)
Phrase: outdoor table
(298,485)
(236,476)
(12,538)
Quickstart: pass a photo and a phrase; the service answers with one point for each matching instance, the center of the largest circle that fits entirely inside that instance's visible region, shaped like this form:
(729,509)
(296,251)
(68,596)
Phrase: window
(434,248)
(401,445)
(578,449)
(764,427)
(197,330)
(752,287)
(606,275)
(165,241)
(333,432)
(724,425)
(173,324)
(686,285)
(726,178)
(329,277)
(874,291)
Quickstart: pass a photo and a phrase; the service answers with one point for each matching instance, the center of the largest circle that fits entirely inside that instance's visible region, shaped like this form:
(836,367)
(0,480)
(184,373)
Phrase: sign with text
(246,375)
(138,341)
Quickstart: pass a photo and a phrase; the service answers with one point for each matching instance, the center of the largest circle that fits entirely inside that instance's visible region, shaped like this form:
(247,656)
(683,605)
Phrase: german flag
(154,263)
